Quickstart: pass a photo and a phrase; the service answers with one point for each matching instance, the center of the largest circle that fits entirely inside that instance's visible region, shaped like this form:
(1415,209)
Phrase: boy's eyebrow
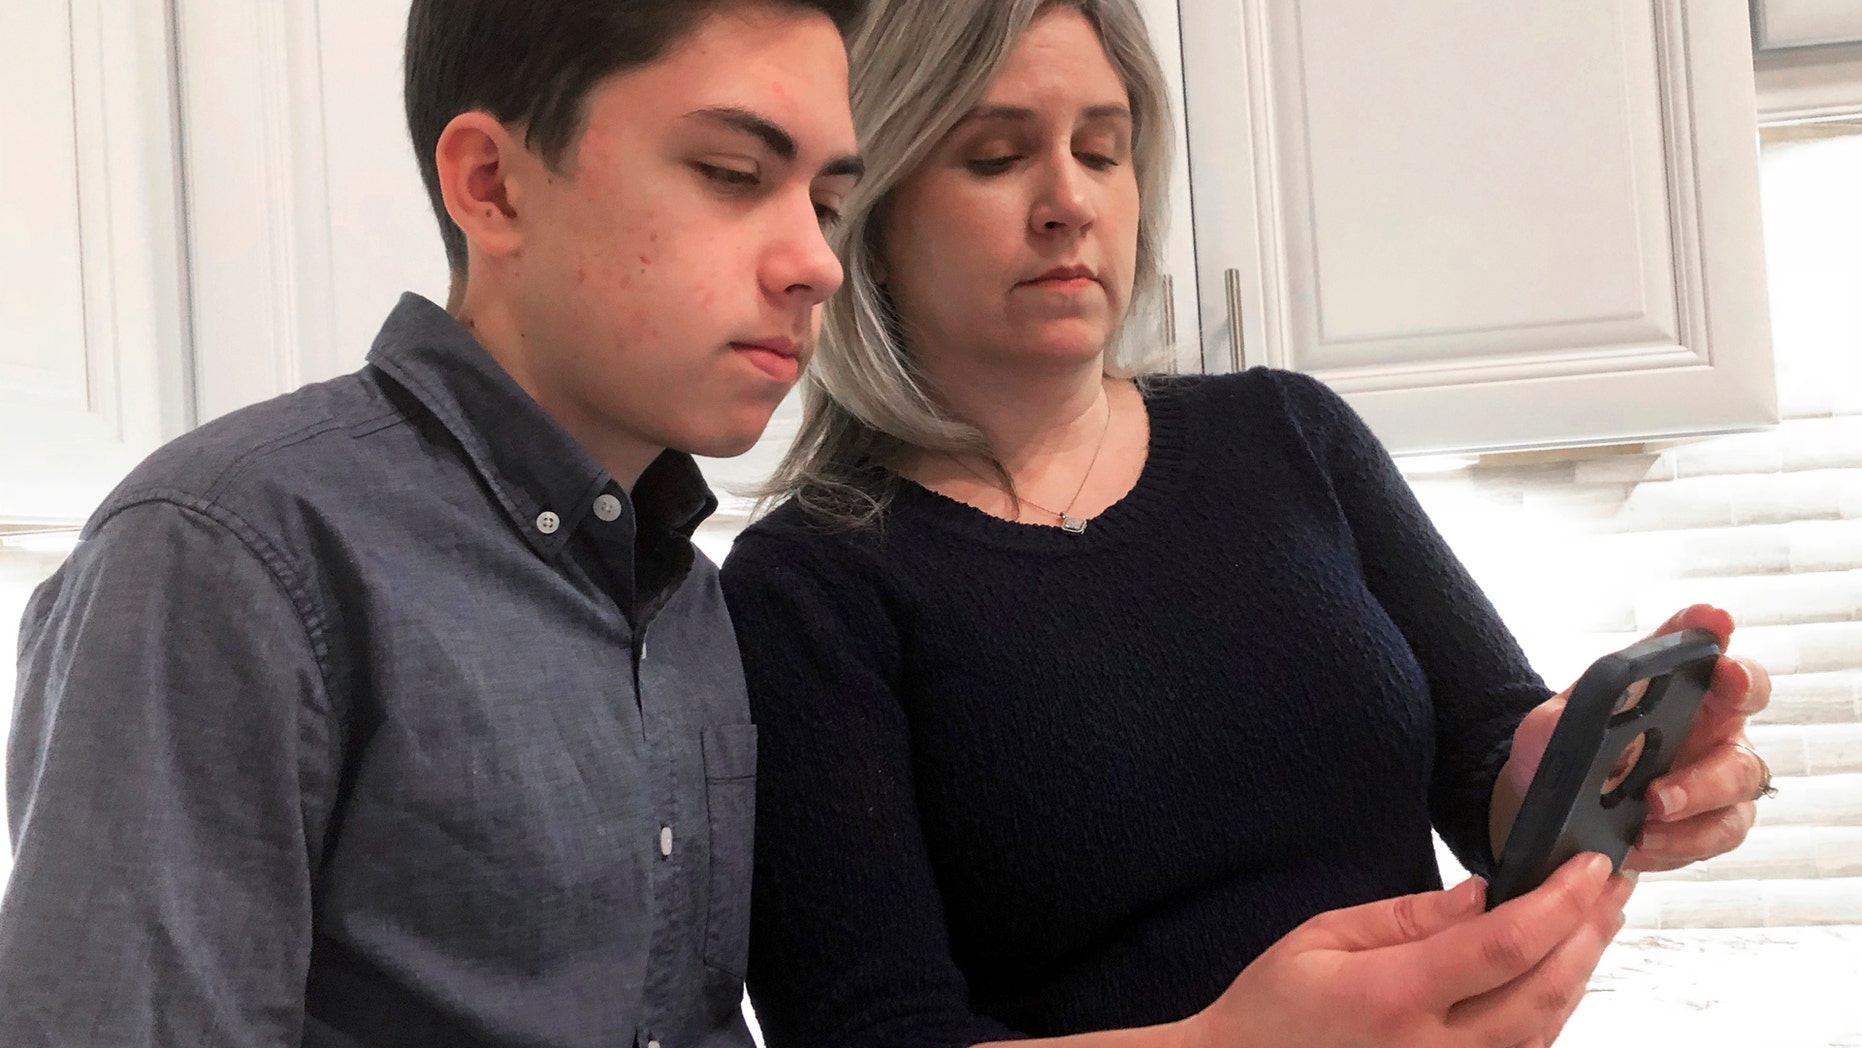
(1106,111)
(778,141)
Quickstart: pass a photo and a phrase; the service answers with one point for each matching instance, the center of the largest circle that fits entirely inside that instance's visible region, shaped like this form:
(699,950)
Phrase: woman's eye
(827,215)
(1097,161)
(729,177)
(992,165)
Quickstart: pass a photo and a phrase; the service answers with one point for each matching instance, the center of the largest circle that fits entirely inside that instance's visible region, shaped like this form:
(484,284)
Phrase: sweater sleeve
(1480,682)
(849,947)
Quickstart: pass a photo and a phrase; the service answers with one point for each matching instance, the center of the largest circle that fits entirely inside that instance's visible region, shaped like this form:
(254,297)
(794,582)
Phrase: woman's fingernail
(1670,799)
(1470,893)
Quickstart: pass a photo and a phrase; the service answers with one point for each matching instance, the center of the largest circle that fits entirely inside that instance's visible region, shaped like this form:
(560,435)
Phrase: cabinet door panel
(1162,20)
(92,373)
(384,238)
(1448,201)
(42,280)
(308,217)
(1781,24)
(1488,225)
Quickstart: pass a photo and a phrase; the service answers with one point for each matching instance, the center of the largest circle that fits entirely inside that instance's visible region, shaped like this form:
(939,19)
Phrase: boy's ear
(478,162)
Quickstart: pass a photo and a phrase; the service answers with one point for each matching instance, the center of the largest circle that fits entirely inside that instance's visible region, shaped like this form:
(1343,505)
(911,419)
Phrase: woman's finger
(1740,688)
(1741,684)
(1534,1007)
(1390,922)
(1716,621)
(1730,773)
(1475,956)
(1668,846)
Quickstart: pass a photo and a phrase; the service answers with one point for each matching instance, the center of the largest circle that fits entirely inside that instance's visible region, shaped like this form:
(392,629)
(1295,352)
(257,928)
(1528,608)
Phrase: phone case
(1621,729)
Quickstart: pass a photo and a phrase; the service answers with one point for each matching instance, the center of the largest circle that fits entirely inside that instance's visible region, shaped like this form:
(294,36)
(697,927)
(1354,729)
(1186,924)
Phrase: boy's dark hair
(533,63)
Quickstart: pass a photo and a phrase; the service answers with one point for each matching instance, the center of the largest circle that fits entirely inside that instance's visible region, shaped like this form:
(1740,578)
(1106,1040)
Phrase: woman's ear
(478,161)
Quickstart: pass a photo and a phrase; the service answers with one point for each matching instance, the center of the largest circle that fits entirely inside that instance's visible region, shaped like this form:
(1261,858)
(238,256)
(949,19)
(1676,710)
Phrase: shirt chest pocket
(730,800)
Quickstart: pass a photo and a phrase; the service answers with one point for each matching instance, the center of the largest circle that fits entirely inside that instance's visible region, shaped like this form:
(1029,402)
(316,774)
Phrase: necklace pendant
(1073,525)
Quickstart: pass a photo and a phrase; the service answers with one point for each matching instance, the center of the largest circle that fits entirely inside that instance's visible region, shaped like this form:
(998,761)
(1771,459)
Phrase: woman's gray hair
(916,67)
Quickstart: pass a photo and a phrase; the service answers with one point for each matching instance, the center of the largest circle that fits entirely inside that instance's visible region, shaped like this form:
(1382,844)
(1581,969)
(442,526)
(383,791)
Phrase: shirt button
(652,1044)
(608,508)
(548,522)
(665,841)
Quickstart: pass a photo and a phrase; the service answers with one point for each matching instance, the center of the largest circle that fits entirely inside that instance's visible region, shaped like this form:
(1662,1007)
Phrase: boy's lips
(779,358)
(782,347)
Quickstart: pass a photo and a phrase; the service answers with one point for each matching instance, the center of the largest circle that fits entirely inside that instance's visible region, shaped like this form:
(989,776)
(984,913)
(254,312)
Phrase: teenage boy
(401,710)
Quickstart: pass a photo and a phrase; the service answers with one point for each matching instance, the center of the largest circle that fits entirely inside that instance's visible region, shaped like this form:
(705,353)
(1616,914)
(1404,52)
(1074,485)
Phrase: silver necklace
(1068,522)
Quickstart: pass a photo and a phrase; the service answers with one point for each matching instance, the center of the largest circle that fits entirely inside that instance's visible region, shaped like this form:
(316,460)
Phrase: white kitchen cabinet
(93,366)
(1488,225)
(1780,24)
(1162,20)
(1814,83)
(307,216)
(1809,58)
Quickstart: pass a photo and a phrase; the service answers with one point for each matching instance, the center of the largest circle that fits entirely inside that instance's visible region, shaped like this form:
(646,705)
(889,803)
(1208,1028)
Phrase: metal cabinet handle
(1170,320)
(1232,278)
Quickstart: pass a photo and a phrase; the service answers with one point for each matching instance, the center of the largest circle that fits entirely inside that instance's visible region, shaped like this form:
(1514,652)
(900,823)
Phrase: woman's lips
(1064,278)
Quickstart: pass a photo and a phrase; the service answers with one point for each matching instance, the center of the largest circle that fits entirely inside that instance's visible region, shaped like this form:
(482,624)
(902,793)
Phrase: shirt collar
(545,480)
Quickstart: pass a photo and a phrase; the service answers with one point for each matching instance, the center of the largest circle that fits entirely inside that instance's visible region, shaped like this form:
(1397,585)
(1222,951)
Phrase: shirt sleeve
(848,944)
(1480,683)
(160,795)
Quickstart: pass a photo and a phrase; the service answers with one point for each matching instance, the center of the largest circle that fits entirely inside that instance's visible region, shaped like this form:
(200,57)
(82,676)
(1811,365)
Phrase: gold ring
(1766,789)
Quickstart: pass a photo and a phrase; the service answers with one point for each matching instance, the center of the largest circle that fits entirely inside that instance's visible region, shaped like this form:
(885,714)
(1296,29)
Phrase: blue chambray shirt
(378,714)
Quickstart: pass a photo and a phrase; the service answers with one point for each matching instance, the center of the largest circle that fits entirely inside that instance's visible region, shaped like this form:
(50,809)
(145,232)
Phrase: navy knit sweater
(1018,781)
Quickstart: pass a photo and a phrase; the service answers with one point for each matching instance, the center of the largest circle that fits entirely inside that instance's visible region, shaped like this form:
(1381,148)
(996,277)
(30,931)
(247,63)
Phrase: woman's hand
(1704,806)
(1426,971)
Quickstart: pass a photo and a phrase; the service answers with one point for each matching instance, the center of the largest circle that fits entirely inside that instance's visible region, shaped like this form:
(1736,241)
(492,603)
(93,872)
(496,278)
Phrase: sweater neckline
(1158,481)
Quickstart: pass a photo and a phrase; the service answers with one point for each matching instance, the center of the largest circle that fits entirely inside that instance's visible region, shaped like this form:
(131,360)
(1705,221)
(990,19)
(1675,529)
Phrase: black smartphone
(1621,730)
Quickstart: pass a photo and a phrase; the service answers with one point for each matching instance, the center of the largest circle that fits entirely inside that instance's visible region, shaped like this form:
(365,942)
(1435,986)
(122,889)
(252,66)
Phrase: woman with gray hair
(1106,710)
